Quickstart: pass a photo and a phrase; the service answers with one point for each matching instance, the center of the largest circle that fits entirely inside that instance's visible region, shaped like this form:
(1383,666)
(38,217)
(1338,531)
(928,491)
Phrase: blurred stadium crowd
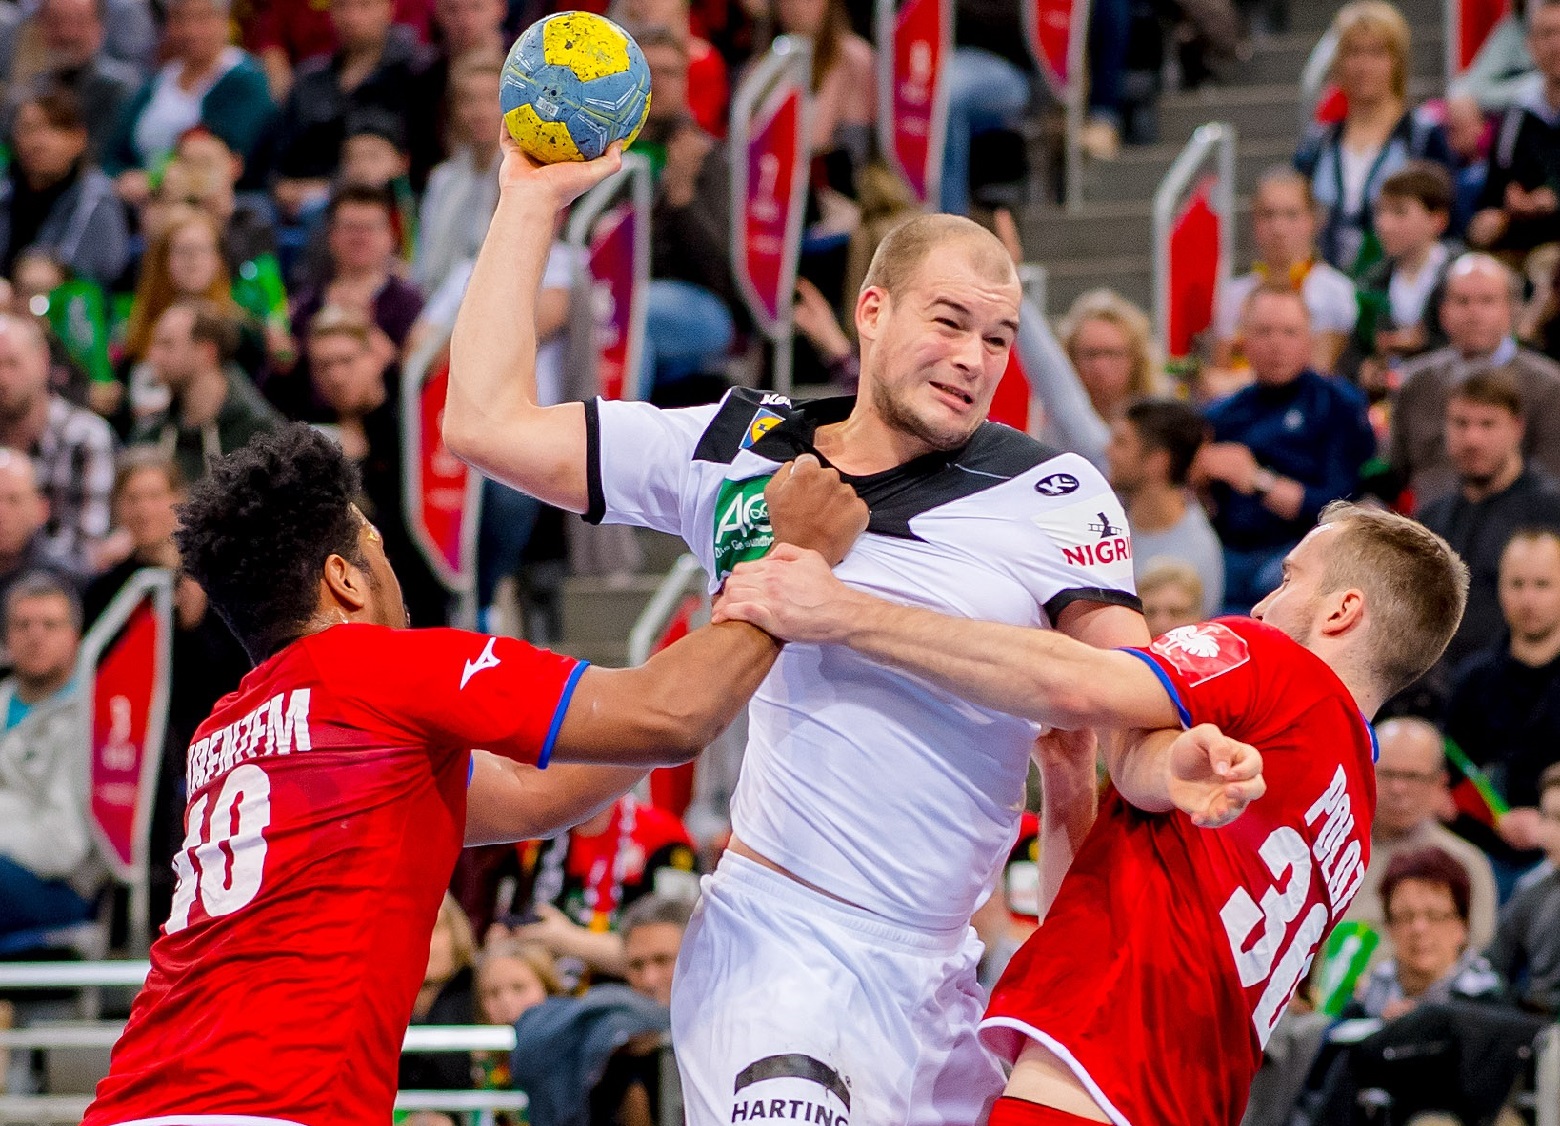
(214,219)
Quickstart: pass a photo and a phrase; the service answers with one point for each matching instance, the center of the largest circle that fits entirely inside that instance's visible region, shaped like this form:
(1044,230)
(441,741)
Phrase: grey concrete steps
(1110,229)
(1137,172)
(1282,58)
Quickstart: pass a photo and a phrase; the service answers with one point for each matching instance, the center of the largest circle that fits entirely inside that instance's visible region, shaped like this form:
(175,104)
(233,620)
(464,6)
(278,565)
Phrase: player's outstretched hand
(1213,778)
(790,594)
(811,507)
(564,181)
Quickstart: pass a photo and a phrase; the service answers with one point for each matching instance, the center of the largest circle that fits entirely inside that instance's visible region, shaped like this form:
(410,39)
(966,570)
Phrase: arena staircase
(1105,242)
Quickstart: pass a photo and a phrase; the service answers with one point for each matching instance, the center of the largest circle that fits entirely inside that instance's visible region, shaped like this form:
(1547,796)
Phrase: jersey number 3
(223,859)
(1289,860)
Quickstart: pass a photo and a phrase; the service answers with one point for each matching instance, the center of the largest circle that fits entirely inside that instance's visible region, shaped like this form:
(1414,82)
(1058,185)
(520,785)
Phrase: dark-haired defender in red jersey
(1192,909)
(331,793)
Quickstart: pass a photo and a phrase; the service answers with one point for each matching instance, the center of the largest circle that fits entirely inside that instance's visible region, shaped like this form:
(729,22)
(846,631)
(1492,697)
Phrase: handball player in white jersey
(829,973)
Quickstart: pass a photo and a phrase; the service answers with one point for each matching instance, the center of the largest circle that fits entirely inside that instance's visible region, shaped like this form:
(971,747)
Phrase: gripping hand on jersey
(811,507)
(1213,778)
(790,594)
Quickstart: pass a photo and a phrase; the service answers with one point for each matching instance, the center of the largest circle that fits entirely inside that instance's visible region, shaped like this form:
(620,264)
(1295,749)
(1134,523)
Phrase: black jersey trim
(1064,599)
(727,434)
(994,456)
(596,497)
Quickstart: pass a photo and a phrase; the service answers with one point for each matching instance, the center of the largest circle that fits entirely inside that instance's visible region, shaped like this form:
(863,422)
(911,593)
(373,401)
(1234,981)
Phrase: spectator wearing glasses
(1348,161)
(1411,788)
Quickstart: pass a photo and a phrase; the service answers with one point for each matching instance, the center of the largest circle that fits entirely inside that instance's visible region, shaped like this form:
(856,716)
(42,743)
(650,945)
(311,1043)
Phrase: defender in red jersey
(331,794)
(1182,928)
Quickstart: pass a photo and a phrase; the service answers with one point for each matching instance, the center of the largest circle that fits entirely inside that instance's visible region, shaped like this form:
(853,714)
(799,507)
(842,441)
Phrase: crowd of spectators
(212,220)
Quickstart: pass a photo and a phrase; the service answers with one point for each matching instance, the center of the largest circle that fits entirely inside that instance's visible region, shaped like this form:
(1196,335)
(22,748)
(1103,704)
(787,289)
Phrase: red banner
(770,244)
(1048,24)
(1194,269)
(921,36)
(612,287)
(1474,20)
(124,696)
(1011,403)
(671,787)
(444,484)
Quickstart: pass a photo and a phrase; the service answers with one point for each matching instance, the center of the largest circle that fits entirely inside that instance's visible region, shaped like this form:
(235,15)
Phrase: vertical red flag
(442,494)
(1474,20)
(1049,26)
(912,90)
(769,159)
(612,225)
(1194,269)
(612,292)
(124,671)
(671,787)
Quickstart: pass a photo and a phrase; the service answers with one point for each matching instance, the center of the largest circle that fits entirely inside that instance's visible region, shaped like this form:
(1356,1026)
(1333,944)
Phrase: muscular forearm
(1039,675)
(706,678)
(509,801)
(1139,764)
(671,707)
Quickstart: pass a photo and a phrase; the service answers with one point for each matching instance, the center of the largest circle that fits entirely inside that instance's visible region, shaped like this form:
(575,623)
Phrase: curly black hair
(257,529)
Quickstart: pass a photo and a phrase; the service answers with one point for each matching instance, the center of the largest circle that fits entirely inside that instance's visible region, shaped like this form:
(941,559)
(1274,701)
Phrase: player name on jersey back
(278,726)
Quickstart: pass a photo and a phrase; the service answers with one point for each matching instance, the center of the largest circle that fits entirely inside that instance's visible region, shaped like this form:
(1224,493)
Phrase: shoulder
(857,56)
(1003,451)
(78,426)
(1536,369)
(245,76)
(1341,391)
(1424,373)
(1327,281)
(738,422)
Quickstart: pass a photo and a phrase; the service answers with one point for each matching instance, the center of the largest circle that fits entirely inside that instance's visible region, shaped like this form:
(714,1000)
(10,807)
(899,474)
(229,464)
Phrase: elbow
(460,437)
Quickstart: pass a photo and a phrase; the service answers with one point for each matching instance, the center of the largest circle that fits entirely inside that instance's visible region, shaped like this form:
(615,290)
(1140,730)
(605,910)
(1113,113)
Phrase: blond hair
(1415,585)
(1375,17)
(534,955)
(463,941)
(1167,571)
(1109,306)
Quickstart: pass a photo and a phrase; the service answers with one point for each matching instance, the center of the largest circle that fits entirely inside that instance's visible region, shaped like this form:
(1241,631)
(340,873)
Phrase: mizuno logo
(485,660)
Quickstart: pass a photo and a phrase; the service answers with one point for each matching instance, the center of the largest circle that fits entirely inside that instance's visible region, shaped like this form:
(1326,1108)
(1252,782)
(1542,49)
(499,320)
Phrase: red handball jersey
(1171,951)
(327,810)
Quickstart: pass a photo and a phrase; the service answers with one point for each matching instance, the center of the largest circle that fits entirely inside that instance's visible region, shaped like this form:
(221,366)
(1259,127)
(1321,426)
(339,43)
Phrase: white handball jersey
(869,783)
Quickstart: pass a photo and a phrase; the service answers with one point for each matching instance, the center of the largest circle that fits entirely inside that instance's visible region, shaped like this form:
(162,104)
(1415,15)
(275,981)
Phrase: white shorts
(790,1005)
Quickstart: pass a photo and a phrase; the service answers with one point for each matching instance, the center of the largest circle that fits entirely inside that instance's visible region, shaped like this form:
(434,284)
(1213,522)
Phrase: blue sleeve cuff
(1169,685)
(558,713)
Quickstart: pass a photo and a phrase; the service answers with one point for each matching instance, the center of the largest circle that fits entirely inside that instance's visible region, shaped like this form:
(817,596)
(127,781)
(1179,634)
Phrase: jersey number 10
(223,860)
(1285,854)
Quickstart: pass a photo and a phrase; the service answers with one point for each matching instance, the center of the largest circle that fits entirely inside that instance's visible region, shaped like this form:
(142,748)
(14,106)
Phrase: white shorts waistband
(737,875)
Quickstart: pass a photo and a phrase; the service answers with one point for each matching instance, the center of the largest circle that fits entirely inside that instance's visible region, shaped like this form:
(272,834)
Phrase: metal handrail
(1075,97)
(72,975)
(419,1039)
(71,1108)
(1216,138)
(1546,1086)
(662,605)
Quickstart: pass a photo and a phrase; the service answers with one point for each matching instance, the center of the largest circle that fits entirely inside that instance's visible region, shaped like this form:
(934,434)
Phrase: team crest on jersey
(763,422)
(1203,652)
(742,531)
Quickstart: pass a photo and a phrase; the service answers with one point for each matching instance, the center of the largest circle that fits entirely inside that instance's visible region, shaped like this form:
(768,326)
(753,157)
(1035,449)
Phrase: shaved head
(906,248)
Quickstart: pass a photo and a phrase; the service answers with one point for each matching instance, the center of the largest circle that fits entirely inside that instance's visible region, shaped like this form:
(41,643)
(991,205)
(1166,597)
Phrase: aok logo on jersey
(742,530)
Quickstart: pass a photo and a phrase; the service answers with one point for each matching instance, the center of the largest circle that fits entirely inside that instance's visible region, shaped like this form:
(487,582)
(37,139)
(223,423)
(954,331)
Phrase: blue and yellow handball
(574,83)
